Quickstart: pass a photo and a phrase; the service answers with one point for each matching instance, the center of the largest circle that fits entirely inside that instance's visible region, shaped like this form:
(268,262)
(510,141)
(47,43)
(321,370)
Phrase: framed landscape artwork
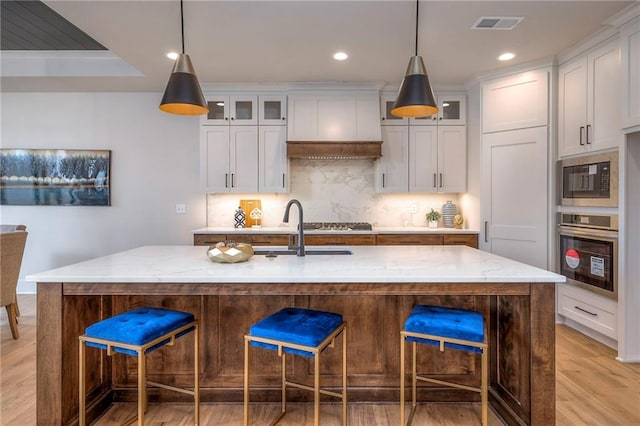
(55,177)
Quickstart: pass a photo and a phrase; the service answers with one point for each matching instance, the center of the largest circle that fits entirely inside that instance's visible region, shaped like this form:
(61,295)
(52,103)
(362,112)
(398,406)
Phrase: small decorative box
(230,252)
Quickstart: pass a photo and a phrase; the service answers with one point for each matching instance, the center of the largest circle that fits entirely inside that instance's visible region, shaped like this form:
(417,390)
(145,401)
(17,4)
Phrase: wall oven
(588,254)
(590,181)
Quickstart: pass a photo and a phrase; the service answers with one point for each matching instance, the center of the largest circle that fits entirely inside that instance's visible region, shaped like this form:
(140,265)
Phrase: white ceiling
(292,41)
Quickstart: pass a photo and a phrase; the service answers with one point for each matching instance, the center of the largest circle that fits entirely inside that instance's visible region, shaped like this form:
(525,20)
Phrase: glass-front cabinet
(272,110)
(228,110)
(452,111)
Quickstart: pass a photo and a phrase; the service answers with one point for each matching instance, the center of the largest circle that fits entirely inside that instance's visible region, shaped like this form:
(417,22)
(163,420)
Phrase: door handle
(581,131)
(232,185)
(486,231)
(283,180)
(383,183)
(434,180)
(440,180)
(226,180)
(587,138)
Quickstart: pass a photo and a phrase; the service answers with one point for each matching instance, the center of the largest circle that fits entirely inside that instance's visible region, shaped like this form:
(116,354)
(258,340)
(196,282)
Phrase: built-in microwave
(590,181)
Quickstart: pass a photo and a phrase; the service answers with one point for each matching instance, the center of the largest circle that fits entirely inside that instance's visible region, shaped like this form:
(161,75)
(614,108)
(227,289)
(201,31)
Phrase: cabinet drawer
(589,309)
(339,240)
(409,239)
(208,239)
(261,239)
(470,240)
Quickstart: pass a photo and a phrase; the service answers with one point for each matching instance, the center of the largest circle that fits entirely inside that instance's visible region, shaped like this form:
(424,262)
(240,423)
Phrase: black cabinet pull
(434,180)
(585,311)
(232,185)
(440,180)
(226,180)
(383,183)
(581,131)
(588,127)
(486,231)
(283,180)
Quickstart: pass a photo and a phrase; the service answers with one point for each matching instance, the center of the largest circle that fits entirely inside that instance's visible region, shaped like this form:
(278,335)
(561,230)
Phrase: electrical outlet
(414,208)
(181,208)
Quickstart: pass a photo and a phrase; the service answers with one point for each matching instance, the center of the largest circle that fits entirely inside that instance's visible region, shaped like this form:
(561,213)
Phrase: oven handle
(587,232)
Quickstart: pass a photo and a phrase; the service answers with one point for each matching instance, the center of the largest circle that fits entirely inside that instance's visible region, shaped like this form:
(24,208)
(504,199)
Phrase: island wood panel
(374,321)
(338,240)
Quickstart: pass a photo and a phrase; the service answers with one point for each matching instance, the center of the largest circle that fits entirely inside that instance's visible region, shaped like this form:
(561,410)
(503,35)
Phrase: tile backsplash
(333,191)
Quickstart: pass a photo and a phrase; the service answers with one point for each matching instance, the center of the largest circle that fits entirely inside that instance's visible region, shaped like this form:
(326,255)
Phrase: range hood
(334,150)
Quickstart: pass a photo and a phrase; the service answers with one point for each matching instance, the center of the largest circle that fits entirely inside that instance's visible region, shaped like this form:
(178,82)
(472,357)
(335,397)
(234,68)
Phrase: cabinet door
(423,158)
(630,57)
(273,164)
(218,114)
(452,159)
(515,183)
(243,159)
(386,118)
(572,111)
(303,119)
(243,110)
(452,110)
(603,97)
(392,170)
(516,102)
(214,158)
(272,110)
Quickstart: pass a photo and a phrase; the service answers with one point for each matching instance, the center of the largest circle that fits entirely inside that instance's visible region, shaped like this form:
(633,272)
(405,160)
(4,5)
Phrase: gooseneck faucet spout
(300,246)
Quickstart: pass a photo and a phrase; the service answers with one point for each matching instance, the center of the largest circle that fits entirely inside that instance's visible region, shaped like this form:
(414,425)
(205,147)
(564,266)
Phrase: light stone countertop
(294,230)
(370,264)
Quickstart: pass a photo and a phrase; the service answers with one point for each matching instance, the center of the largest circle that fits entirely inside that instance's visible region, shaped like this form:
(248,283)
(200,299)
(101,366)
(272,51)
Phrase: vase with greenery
(432,218)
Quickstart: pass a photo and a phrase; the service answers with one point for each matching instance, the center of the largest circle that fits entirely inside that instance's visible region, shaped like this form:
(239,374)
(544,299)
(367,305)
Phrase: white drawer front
(589,309)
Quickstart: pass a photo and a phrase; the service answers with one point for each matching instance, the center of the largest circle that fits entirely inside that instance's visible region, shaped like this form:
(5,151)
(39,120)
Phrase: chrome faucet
(300,247)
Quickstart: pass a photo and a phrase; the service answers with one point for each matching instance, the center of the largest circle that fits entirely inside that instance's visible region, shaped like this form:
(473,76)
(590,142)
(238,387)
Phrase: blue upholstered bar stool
(136,333)
(447,328)
(302,332)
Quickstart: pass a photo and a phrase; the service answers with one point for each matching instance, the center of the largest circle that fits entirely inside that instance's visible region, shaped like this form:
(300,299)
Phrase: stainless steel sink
(280,252)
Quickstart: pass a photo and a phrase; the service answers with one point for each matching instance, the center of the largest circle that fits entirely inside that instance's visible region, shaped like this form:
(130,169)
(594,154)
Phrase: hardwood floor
(592,389)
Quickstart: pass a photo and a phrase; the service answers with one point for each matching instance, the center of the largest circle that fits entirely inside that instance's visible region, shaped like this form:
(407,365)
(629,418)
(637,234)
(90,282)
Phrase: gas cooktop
(337,226)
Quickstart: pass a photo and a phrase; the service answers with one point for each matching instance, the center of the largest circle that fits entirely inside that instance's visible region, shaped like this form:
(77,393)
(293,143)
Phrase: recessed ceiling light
(506,56)
(340,56)
(172,55)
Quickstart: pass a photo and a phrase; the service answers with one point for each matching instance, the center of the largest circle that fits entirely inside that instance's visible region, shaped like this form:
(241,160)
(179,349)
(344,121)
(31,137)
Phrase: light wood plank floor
(592,389)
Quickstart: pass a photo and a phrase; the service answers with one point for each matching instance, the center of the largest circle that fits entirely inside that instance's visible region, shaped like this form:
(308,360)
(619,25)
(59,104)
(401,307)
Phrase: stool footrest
(449,384)
(169,387)
(310,388)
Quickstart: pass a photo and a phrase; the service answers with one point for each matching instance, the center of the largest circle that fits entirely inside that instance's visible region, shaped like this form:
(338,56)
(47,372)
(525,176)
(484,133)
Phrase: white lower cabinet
(272,154)
(229,158)
(422,159)
(591,310)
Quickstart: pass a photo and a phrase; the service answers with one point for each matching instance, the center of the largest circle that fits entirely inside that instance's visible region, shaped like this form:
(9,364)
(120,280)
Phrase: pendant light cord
(417,8)
(182,26)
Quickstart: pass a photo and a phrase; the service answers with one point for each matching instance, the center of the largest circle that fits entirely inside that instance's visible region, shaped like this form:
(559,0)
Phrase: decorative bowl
(230,252)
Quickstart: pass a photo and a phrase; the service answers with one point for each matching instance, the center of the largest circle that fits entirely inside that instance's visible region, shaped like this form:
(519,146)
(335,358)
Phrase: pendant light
(183,94)
(415,97)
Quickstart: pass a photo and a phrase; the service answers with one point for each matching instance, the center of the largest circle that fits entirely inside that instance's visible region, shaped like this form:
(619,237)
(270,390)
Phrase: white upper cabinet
(630,46)
(437,159)
(229,110)
(272,110)
(273,166)
(589,101)
(515,102)
(392,170)
(229,158)
(452,111)
(334,118)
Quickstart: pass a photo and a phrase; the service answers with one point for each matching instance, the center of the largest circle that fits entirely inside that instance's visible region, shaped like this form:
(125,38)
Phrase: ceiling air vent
(497,22)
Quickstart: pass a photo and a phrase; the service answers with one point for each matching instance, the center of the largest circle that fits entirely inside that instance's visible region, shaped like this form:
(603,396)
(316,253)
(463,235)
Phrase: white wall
(154,165)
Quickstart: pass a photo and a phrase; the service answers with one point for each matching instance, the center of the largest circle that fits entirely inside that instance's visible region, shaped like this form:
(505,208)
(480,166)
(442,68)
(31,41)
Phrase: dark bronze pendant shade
(183,94)
(415,97)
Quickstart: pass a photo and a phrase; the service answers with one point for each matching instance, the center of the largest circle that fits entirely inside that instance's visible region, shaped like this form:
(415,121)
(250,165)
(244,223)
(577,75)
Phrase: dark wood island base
(521,334)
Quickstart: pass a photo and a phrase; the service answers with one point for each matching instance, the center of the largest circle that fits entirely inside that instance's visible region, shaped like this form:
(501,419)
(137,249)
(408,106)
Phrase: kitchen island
(374,288)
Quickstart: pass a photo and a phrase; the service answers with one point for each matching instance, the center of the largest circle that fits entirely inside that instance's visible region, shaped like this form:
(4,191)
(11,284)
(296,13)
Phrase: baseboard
(605,340)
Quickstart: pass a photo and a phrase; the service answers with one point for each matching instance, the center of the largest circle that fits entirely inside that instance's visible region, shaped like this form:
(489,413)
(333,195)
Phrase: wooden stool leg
(484,392)
(414,377)
(81,388)
(246,382)
(283,378)
(196,374)
(13,321)
(142,373)
(402,373)
(316,389)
